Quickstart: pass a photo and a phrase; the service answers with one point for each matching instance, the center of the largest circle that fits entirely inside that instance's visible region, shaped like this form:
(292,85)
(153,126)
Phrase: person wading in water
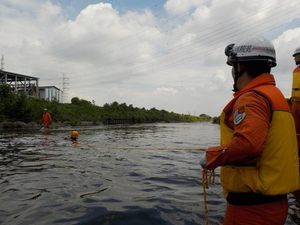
(46,119)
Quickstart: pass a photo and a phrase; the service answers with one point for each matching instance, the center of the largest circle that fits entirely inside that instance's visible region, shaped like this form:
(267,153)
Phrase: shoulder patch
(239,115)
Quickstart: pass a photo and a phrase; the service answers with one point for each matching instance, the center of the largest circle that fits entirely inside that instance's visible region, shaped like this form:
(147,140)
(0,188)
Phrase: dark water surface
(46,179)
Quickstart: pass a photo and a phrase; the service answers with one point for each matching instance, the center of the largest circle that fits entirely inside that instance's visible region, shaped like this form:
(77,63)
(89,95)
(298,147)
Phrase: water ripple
(46,179)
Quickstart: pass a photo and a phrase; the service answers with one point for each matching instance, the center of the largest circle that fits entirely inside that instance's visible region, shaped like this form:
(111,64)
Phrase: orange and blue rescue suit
(47,120)
(257,154)
(295,101)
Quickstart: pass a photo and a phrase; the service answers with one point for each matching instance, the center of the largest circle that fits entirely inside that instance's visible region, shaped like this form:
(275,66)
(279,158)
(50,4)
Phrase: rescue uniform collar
(263,79)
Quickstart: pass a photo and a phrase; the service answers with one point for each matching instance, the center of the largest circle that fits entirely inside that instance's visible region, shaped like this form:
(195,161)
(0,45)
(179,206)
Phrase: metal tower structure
(65,88)
(2,63)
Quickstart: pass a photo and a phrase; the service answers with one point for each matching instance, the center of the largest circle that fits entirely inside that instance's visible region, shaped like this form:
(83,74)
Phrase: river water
(109,176)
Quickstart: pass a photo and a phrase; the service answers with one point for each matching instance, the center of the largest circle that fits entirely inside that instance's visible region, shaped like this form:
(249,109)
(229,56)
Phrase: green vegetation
(216,119)
(20,108)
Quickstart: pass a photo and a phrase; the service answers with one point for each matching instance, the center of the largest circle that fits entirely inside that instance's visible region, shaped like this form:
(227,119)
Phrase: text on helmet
(243,48)
(249,48)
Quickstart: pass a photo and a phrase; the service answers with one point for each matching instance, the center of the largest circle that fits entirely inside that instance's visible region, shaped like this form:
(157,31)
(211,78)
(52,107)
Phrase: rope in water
(140,148)
(206,179)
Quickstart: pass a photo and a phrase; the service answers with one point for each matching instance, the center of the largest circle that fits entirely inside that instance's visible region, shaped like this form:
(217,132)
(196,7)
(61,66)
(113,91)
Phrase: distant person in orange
(46,119)
(295,98)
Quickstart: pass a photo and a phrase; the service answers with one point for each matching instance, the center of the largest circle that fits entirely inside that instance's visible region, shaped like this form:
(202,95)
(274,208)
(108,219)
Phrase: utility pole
(2,62)
(65,88)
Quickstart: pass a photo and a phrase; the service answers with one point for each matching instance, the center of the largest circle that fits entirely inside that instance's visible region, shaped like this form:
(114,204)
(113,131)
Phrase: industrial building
(29,85)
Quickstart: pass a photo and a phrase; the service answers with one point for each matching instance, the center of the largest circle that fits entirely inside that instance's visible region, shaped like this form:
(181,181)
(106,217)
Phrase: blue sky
(163,54)
(73,7)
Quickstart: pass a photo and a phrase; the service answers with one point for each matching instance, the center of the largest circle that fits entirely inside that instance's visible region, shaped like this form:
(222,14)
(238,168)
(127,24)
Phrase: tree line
(20,108)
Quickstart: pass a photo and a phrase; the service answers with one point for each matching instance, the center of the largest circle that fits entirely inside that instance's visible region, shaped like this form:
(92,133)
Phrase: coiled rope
(206,178)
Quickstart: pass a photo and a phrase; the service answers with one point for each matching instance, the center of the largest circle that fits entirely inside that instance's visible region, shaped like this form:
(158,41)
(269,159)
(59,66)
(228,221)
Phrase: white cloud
(182,6)
(167,90)
(174,62)
(47,13)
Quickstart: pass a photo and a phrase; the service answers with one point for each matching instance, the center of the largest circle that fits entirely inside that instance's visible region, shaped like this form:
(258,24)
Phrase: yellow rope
(205,181)
(138,148)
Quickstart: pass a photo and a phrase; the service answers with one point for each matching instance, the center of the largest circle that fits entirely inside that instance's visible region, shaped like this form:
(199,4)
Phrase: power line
(182,54)
(186,55)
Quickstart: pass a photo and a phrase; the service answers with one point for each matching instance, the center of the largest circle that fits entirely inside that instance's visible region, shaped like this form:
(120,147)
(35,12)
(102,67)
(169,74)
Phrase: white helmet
(297,51)
(255,48)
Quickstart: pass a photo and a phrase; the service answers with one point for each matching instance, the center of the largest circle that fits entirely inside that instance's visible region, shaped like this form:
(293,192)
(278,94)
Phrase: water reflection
(46,138)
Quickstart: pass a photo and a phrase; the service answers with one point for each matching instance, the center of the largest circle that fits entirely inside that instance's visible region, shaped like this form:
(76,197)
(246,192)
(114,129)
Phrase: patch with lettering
(239,115)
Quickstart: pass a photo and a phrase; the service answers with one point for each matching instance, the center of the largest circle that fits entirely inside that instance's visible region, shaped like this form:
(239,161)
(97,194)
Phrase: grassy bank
(17,109)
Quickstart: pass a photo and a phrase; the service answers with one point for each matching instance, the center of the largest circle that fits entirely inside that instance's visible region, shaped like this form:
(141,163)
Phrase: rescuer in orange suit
(74,135)
(46,119)
(258,153)
(295,98)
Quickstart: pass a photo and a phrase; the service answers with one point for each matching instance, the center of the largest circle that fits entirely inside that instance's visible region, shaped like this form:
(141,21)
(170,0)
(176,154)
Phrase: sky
(163,54)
